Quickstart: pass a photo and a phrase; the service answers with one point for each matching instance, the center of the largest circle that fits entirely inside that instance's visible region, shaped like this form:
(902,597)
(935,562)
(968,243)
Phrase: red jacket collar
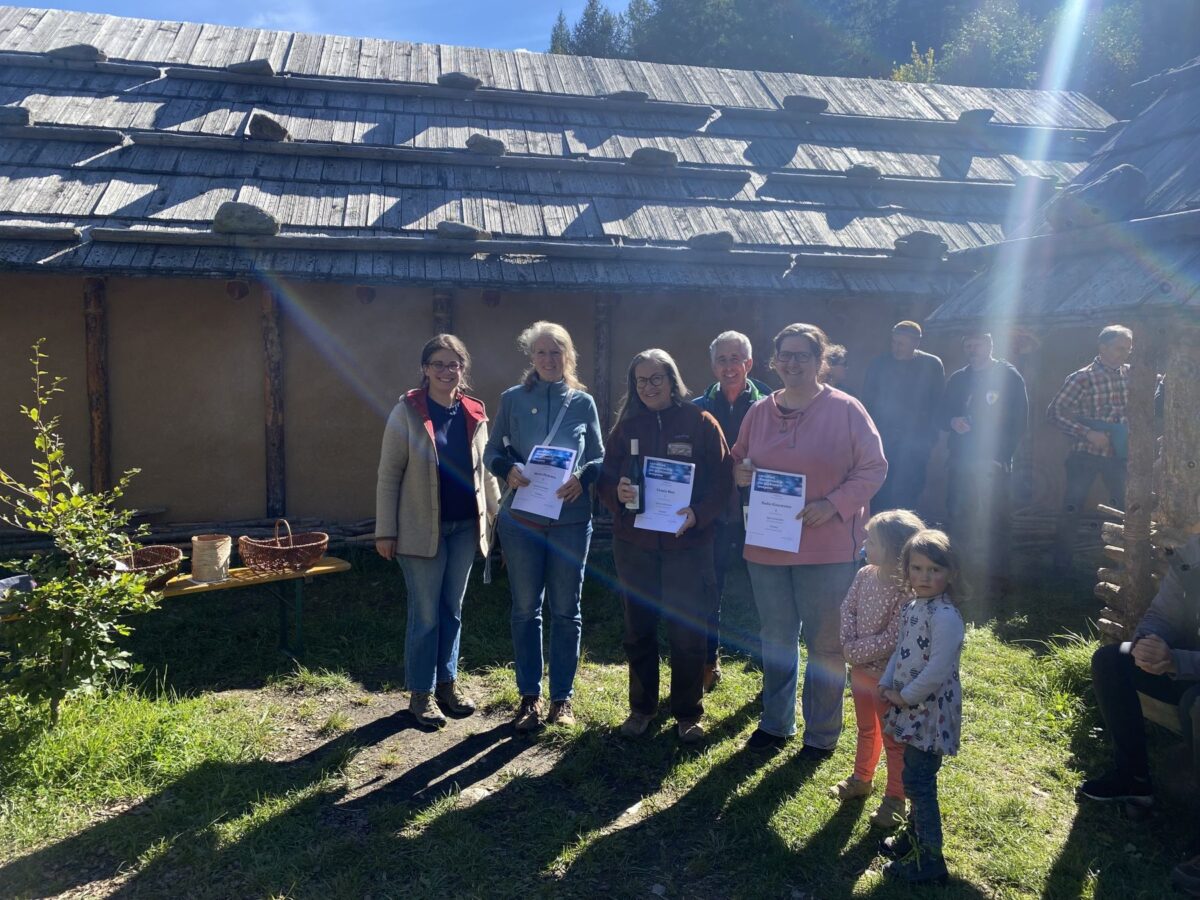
(473,410)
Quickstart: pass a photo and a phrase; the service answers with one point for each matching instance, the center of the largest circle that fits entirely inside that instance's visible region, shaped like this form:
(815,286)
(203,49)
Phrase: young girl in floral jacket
(921,684)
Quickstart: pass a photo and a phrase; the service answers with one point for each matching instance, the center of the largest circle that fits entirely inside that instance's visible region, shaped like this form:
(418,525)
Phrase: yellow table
(183,586)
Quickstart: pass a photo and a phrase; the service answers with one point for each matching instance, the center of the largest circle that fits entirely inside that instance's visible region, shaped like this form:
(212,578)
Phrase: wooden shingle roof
(1145,266)
(155,137)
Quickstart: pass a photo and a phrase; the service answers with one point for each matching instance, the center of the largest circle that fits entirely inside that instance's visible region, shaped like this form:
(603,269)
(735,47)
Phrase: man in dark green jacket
(727,399)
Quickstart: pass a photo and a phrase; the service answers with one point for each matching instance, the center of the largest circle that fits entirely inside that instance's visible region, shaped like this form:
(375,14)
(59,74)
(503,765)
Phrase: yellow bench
(183,586)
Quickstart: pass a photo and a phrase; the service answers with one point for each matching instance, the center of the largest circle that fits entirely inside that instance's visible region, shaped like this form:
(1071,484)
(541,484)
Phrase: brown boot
(529,716)
(425,710)
(453,700)
(560,713)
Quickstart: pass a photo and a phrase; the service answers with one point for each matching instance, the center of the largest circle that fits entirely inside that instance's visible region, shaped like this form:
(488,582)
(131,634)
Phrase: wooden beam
(276,493)
(443,312)
(1138,588)
(95,327)
(602,312)
(1180,496)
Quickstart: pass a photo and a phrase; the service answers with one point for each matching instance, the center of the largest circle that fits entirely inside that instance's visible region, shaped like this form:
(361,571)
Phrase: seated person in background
(1162,661)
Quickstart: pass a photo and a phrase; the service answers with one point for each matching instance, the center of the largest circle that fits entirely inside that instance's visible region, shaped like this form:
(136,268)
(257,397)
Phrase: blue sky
(503,24)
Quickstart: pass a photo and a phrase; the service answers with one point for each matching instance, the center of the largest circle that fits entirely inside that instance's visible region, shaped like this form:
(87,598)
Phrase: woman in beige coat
(434,502)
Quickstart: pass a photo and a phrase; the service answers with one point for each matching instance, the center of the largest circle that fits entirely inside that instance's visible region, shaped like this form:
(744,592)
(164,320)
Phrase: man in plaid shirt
(1090,409)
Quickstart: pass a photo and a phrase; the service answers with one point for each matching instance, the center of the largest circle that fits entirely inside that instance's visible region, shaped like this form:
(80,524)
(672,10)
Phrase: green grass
(232,771)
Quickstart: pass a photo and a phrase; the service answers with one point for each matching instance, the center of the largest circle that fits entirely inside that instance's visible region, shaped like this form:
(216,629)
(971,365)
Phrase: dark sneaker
(765,742)
(810,754)
(452,700)
(691,732)
(712,676)
(425,709)
(917,867)
(1115,786)
(1186,876)
(898,845)
(560,713)
(529,716)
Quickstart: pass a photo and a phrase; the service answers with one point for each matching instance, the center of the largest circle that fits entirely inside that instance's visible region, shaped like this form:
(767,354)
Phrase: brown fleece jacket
(680,432)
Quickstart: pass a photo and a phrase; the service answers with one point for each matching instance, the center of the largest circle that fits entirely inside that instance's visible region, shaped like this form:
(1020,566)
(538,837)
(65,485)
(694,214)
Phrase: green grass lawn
(226,770)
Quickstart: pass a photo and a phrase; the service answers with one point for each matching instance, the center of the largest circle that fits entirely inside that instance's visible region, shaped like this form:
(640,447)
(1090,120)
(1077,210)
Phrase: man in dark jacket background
(985,409)
(902,391)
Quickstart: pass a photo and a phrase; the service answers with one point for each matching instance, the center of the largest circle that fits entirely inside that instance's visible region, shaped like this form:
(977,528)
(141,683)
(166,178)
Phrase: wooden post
(1179,507)
(95,326)
(443,312)
(602,310)
(1137,589)
(273,402)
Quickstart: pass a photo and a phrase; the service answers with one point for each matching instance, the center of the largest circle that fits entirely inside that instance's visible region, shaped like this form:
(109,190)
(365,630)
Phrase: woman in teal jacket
(546,557)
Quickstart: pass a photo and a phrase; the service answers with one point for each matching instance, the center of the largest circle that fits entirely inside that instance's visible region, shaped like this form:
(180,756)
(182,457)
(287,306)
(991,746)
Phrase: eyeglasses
(440,367)
(655,380)
(787,356)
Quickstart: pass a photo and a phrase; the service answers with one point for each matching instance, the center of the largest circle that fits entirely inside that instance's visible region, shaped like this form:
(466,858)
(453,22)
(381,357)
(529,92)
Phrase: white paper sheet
(547,469)
(776,499)
(668,487)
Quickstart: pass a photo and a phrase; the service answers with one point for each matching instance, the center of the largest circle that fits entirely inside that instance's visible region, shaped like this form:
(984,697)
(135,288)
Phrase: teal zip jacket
(526,416)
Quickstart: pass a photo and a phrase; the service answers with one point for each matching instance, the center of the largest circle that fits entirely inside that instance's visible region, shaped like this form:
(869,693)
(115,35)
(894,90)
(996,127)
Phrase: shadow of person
(210,793)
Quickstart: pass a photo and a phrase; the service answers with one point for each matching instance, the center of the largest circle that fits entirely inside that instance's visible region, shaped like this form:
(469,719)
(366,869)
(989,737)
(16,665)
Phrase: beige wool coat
(407,505)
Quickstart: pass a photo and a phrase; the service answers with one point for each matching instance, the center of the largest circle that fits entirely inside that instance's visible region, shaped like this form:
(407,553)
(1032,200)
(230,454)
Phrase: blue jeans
(791,599)
(920,786)
(435,599)
(545,565)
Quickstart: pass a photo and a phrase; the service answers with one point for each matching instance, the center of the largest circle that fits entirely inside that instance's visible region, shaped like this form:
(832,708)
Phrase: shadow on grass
(309,839)
(1119,852)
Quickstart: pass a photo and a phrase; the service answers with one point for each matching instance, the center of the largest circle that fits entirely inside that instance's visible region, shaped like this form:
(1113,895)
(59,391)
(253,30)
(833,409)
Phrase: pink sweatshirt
(833,444)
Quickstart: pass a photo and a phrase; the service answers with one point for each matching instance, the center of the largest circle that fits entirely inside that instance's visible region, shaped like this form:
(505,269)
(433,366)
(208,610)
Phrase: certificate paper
(547,469)
(776,499)
(668,487)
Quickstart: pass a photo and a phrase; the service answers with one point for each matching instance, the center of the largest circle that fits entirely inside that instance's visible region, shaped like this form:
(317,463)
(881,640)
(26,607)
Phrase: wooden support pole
(1180,503)
(443,312)
(95,326)
(602,310)
(1137,588)
(276,494)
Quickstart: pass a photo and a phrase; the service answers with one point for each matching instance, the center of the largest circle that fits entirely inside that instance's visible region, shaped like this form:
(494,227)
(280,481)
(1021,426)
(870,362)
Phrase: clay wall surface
(186,371)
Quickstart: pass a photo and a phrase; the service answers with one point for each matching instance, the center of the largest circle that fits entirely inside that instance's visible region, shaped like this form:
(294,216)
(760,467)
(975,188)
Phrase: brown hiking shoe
(529,716)
(635,724)
(452,700)
(691,732)
(425,710)
(851,788)
(560,713)
(712,676)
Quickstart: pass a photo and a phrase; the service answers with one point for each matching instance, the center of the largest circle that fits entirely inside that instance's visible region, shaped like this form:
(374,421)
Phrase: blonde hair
(527,338)
(892,529)
(935,546)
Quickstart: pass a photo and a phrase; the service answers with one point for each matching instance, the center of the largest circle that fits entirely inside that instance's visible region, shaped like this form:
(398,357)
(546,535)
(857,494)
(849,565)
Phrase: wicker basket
(292,553)
(153,558)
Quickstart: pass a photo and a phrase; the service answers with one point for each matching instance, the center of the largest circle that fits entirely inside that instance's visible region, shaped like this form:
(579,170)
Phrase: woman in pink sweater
(824,434)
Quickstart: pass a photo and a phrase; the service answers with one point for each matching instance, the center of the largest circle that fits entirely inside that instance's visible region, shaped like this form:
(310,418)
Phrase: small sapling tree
(60,637)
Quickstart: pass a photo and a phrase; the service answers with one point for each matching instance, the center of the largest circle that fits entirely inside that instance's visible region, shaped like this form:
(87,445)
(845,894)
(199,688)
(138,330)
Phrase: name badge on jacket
(680,448)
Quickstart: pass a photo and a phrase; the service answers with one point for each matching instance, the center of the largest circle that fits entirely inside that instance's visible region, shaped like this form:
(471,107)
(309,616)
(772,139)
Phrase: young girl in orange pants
(870,623)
